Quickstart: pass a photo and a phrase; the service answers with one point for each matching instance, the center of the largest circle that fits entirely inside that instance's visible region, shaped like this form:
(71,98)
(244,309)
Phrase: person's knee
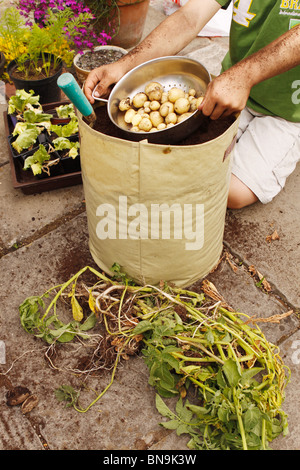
(235,202)
(239,195)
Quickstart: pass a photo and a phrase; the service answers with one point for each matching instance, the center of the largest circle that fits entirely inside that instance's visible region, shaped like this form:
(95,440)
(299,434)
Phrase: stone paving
(44,240)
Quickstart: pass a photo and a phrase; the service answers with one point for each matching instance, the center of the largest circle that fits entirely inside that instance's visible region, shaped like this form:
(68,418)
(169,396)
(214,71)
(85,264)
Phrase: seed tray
(31,184)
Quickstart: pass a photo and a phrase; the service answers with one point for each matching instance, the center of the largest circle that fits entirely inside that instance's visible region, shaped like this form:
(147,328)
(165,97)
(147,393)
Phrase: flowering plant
(28,45)
(12,35)
(61,34)
(106,15)
(80,33)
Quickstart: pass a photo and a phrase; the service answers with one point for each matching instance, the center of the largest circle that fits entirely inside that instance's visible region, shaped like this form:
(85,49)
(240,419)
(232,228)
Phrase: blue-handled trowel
(72,90)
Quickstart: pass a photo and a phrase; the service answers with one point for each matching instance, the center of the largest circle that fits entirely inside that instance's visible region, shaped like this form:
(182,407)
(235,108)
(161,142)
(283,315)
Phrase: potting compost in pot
(91,60)
(156,210)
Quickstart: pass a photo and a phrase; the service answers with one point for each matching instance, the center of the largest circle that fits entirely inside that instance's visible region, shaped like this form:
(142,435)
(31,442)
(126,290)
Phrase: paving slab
(125,418)
(3,147)
(24,217)
(44,241)
(209,54)
(278,260)
(239,289)
(290,353)
(129,405)
(17,432)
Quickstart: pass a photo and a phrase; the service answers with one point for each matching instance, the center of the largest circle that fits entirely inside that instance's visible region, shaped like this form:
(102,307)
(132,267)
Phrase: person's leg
(239,194)
(266,153)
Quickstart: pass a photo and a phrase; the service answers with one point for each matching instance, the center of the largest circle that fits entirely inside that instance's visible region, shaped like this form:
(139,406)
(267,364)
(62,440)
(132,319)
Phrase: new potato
(139,99)
(199,100)
(154,91)
(125,104)
(164,97)
(171,118)
(156,118)
(166,108)
(193,104)
(155,109)
(136,120)
(181,105)
(145,124)
(183,116)
(130,113)
(154,105)
(175,93)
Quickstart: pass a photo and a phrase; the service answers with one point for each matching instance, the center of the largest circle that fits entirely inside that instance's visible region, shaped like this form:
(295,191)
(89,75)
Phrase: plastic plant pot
(46,88)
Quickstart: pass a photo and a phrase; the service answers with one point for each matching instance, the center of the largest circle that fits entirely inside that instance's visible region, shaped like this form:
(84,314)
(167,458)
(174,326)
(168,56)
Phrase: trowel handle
(72,90)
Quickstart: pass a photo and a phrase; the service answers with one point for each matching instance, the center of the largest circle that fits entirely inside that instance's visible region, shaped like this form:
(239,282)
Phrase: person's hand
(226,94)
(102,78)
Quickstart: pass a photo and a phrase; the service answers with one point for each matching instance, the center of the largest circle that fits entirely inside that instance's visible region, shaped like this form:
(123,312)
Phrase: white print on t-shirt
(296,94)
(241,13)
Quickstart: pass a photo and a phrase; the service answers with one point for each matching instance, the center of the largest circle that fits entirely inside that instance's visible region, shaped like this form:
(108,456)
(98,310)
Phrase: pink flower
(83,35)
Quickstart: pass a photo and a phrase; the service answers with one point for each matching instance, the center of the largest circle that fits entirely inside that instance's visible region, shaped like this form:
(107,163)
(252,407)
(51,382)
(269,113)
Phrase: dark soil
(33,74)
(92,60)
(209,129)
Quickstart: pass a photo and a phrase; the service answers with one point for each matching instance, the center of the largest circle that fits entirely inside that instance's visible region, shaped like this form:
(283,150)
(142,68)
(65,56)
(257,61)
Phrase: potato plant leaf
(142,327)
(89,323)
(237,376)
(76,309)
(67,394)
(50,328)
(232,373)
(252,418)
(163,408)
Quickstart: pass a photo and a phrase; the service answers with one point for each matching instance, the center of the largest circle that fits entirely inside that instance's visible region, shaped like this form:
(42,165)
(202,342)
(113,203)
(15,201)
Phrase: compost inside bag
(156,210)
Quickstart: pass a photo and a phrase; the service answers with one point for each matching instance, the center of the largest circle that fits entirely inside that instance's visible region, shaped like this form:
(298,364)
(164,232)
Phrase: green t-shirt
(255,23)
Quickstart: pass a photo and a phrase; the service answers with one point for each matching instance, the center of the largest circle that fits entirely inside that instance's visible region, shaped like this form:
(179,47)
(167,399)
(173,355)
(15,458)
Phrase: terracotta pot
(133,15)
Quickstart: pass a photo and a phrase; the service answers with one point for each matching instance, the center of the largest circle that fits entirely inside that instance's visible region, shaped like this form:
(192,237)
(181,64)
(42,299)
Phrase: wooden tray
(25,180)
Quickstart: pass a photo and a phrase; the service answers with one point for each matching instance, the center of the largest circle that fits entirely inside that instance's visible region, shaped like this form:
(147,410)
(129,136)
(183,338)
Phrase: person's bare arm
(229,92)
(168,38)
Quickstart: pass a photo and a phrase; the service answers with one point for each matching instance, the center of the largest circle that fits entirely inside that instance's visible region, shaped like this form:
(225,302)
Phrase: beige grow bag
(156,210)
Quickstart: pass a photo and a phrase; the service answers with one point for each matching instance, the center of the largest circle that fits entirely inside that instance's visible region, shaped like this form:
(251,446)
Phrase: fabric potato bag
(156,210)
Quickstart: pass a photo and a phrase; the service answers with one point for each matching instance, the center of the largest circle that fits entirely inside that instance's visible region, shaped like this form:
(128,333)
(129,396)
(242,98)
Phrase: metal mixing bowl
(170,71)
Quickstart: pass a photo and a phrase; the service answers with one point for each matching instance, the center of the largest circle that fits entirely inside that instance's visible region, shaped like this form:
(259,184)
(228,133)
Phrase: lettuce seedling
(36,161)
(62,143)
(26,139)
(21,100)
